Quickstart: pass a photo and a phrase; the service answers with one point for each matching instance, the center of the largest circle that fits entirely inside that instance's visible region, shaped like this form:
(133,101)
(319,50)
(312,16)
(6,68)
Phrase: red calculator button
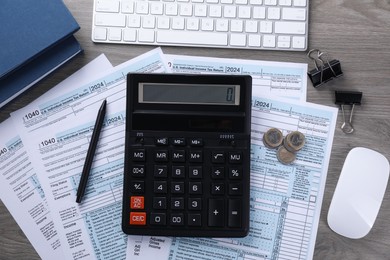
(137,202)
(138,218)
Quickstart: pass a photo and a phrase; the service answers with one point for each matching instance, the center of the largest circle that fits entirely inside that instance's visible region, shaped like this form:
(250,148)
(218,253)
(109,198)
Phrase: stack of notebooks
(36,38)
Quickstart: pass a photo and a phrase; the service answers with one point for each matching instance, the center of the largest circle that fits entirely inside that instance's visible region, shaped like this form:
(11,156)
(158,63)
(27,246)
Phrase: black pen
(91,152)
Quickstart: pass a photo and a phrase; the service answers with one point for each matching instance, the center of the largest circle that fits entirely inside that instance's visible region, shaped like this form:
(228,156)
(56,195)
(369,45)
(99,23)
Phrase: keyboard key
(156,8)
(178,156)
(193,24)
(235,173)
(129,35)
(160,187)
(138,218)
(273,13)
(297,14)
(137,187)
(196,142)
(137,170)
(229,11)
(216,214)
(217,188)
(141,7)
(235,189)
(177,187)
(235,157)
(105,19)
(290,27)
(146,36)
(284,41)
(195,172)
(195,188)
(254,40)
(115,34)
(138,155)
(195,156)
(194,220)
(171,9)
(238,39)
(177,203)
(137,202)
(218,172)
(300,2)
(178,172)
(299,42)
(161,156)
(159,203)
(194,203)
(177,219)
(108,6)
(218,157)
(178,141)
(234,213)
(285,2)
(160,171)
(127,7)
(100,34)
(158,219)
(161,141)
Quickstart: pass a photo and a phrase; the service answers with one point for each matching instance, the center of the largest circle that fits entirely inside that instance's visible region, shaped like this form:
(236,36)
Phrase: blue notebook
(29,29)
(25,76)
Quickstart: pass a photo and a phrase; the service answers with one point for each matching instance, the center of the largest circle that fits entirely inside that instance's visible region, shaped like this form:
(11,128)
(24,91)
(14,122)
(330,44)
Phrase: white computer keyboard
(240,24)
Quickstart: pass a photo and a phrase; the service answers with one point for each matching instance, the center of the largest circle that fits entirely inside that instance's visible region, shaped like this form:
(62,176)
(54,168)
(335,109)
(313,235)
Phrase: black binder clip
(348,98)
(325,70)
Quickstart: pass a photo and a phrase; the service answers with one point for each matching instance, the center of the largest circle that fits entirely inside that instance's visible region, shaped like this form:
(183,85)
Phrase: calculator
(187,155)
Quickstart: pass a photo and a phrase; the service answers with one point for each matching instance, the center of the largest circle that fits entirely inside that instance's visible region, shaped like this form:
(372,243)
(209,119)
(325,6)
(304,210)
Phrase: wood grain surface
(356,32)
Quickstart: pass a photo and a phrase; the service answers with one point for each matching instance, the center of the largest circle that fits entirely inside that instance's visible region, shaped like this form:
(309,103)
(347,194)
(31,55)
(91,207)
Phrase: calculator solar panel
(187,155)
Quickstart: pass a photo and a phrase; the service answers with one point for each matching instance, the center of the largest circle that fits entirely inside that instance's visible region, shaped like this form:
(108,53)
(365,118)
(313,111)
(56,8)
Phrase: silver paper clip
(348,98)
(325,70)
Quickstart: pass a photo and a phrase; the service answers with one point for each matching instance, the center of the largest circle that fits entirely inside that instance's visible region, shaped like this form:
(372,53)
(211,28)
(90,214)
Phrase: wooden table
(355,32)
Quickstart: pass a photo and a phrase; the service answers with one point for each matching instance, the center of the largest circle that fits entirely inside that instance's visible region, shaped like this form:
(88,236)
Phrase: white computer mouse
(359,193)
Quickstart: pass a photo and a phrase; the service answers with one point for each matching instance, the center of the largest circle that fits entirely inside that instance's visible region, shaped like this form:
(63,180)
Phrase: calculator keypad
(187,186)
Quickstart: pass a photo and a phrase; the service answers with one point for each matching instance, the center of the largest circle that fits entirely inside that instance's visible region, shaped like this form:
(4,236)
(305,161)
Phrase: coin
(284,156)
(273,138)
(294,141)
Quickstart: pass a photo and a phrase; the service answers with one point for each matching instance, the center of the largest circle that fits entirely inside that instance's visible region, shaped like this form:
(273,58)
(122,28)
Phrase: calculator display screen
(201,94)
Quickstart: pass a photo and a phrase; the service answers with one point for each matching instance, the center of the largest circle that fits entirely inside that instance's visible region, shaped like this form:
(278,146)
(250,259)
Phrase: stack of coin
(292,143)
(273,138)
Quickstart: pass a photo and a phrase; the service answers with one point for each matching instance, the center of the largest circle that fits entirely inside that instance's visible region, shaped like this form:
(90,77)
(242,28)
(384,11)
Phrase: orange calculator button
(138,218)
(137,202)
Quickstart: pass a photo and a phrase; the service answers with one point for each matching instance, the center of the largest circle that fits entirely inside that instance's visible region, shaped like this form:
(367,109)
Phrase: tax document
(285,200)
(90,229)
(54,113)
(111,86)
(282,79)
(20,189)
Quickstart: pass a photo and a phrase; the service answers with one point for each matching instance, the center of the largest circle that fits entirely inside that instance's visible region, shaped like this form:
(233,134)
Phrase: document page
(90,229)
(285,199)
(111,86)
(58,136)
(22,194)
(20,189)
(281,79)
